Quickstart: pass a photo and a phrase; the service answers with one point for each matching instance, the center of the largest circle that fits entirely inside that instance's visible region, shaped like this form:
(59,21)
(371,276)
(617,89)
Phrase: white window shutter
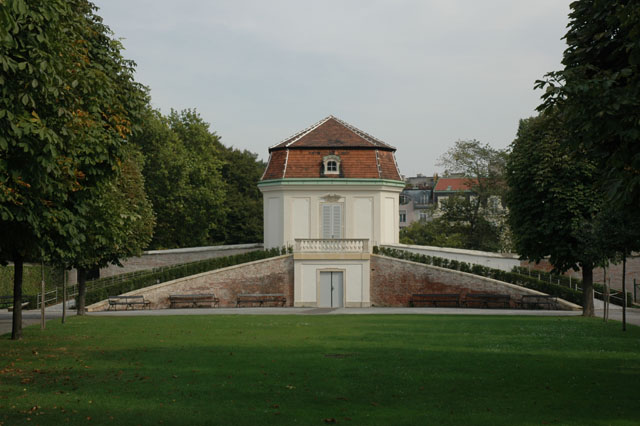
(326,221)
(331,221)
(337,222)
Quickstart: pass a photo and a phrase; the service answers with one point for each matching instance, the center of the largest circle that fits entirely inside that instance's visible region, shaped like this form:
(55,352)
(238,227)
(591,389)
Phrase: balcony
(342,245)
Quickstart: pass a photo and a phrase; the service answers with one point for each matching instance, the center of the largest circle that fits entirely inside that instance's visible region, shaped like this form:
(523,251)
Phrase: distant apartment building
(416,200)
(453,186)
(448,186)
(422,198)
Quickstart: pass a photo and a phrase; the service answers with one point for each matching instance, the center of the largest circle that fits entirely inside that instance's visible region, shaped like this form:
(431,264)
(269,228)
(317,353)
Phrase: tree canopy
(68,103)
(597,94)
(553,201)
(473,219)
(202,192)
(117,221)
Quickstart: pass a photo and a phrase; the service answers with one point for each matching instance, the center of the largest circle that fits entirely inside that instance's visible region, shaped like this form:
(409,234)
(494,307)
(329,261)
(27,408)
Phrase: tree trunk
(82,290)
(587,291)
(16,328)
(624,292)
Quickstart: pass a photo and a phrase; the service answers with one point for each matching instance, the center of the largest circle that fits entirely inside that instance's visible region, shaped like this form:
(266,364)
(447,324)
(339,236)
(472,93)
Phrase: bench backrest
(487,296)
(437,296)
(126,297)
(192,296)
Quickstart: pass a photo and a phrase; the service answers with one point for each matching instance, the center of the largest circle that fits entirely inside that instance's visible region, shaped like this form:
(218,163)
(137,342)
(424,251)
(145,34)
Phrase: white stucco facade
(354,279)
(355,213)
(293,209)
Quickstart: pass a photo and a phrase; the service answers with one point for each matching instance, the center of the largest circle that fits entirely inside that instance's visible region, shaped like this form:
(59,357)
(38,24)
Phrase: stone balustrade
(342,245)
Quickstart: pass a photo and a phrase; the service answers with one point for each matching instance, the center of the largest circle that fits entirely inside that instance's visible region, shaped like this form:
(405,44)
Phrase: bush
(516,278)
(99,292)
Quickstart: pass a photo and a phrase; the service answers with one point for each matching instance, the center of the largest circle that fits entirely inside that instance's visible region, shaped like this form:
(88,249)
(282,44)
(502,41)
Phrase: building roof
(331,132)
(454,184)
(361,155)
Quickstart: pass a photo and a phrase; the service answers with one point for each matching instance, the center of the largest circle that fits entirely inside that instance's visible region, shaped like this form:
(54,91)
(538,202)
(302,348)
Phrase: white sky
(418,75)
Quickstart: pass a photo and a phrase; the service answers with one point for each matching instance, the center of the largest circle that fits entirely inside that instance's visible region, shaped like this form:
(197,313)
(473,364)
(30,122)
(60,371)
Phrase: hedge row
(519,275)
(573,282)
(31,278)
(179,271)
(549,277)
(565,293)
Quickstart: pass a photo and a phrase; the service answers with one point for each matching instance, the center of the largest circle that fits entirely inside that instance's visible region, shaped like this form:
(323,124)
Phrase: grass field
(356,370)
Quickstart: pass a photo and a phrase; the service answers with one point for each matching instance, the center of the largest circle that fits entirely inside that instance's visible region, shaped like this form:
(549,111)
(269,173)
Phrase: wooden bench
(487,300)
(261,298)
(194,300)
(435,299)
(538,301)
(128,302)
(7,302)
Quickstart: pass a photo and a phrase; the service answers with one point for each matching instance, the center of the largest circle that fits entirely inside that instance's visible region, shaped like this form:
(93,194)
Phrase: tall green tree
(241,171)
(478,217)
(68,102)
(553,201)
(117,221)
(183,161)
(597,94)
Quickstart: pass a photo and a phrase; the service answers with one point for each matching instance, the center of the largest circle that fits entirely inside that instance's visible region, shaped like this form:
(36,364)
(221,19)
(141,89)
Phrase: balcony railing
(342,245)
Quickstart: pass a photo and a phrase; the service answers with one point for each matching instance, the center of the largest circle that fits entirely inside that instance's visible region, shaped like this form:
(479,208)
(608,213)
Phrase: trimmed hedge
(31,278)
(157,276)
(575,282)
(565,293)
(519,276)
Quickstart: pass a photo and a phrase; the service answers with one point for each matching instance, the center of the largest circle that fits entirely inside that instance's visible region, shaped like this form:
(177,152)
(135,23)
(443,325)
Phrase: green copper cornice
(332,181)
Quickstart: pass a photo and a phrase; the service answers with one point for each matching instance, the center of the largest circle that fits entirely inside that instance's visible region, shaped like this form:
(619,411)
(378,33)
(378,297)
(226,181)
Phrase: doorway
(331,289)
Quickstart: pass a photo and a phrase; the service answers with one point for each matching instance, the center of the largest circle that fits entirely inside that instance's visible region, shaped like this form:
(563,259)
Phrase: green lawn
(364,369)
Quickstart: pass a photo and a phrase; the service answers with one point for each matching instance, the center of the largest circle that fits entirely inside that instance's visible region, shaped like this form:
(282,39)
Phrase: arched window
(331,165)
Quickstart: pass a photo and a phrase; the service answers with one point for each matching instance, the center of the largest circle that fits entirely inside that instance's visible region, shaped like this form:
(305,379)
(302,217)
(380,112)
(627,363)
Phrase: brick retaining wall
(274,275)
(393,281)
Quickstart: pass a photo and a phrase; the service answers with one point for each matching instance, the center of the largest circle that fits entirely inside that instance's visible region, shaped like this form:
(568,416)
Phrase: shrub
(514,277)
(99,292)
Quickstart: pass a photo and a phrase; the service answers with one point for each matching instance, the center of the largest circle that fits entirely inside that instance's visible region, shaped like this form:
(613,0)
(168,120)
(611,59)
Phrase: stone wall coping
(103,304)
(201,249)
(454,251)
(566,303)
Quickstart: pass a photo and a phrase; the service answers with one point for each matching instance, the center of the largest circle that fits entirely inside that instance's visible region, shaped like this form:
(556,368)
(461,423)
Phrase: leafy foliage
(437,232)
(118,221)
(243,222)
(31,279)
(68,103)
(553,201)
(472,221)
(597,93)
(183,180)
(202,192)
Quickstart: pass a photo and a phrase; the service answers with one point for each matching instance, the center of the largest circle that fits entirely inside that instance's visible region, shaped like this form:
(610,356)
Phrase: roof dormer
(331,165)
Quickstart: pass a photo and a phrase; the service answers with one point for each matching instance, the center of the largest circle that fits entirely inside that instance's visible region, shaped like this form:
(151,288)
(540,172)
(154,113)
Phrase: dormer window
(331,165)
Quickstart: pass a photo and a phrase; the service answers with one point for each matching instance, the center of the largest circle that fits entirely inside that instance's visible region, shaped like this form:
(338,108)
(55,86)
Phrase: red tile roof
(361,155)
(331,132)
(454,184)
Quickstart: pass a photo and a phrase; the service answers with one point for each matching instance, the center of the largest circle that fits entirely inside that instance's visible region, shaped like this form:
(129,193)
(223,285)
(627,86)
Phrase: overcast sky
(417,74)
